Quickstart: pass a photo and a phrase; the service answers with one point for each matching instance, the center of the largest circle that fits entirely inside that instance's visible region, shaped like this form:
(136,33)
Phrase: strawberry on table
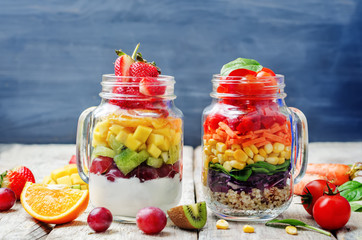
(16,178)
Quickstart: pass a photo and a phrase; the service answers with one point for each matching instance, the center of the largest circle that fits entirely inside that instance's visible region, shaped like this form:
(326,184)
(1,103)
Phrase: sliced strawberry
(15,179)
(122,64)
(151,87)
(143,69)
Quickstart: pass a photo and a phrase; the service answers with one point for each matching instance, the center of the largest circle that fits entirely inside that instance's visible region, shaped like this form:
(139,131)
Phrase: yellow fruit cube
(98,140)
(142,147)
(165,146)
(64,180)
(102,128)
(122,136)
(159,122)
(75,178)
(153,150)
(47,180)
(132,143)
(115,128)
(155,139)
(163,131)
(142,133)
(177,138)
(58,173)
(71,168)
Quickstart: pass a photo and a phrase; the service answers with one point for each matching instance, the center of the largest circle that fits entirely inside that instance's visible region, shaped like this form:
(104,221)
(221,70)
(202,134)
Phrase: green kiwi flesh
(191,216)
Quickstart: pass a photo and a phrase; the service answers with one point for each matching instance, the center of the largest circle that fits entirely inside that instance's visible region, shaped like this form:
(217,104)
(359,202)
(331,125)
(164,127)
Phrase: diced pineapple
(75,178)
(98,140)
(142,133)
(102,128)
(64,180)
(58,173)
(155,139)
(164,156)
(153,150)
(163,131)
(159,122)
(47,180)
(142,147)
(177,138)
(165,146)
(71,168)
(122,136)
(115,128)
(132,143)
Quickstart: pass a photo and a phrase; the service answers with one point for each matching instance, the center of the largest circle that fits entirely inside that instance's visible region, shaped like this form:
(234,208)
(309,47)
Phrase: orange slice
(53,203)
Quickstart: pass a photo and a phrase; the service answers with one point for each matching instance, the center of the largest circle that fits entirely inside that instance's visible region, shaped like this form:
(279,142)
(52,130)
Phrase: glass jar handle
(300,151)
(83,147)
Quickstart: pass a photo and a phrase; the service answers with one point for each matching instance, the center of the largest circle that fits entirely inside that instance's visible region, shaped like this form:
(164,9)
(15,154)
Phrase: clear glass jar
(254,148)
(129,148)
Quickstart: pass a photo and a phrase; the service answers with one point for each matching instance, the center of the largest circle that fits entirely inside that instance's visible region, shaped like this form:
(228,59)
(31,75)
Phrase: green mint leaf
(356,207)
(240,63)
(295,223)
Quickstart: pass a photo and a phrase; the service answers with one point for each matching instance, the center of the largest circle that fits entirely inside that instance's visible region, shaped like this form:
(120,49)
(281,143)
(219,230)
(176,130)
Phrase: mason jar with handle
(254,148)
(129,148)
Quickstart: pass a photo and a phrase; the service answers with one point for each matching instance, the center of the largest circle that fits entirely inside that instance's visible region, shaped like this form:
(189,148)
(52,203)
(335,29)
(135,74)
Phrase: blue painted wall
(53,53)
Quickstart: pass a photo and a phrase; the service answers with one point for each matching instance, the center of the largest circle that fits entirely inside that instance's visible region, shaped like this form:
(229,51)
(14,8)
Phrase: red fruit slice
(265,72)
(101,164)
(150,87)
(242,72)
(122,65)
(73,160)
(142,69)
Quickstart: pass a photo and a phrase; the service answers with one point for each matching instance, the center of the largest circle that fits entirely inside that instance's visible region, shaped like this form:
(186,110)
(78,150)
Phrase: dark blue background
(53,53)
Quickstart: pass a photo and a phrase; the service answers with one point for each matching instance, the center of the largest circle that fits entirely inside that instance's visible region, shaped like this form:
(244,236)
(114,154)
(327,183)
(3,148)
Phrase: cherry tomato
(313,191)
(242,72)
(265,72)
(331,212)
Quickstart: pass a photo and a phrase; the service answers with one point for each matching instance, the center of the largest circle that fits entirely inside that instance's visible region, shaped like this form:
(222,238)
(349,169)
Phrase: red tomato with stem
(313,191)
(332,212)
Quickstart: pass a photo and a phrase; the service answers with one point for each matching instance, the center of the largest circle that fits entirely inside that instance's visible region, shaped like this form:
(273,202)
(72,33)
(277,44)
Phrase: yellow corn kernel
(213,150)
(240,155)
(212,142)
(220,147)
(249,161)
(268,148)
(254,149)
(229,153)
(215,160)
(281,160)
(273,154)
(227,166)
(235,147)
(225,157)
(278,147)
(291,230)
(248,229)
(262,153)
(205,142)
(222,224)
(272,160)
(282,154)
(237,165)
(288,152)
(207,150)
(248,151)
(258,158)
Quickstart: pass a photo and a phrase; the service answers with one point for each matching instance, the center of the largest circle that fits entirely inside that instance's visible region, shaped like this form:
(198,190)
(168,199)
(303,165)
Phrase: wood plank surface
(346,153)
(42,159)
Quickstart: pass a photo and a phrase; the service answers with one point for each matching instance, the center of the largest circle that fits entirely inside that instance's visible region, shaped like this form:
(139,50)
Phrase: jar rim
(111,78)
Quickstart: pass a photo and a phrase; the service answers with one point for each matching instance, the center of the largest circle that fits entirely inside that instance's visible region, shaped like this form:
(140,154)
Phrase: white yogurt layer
(125,197)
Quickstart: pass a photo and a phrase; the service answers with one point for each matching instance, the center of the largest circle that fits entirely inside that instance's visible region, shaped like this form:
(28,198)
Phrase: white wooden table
(42,159)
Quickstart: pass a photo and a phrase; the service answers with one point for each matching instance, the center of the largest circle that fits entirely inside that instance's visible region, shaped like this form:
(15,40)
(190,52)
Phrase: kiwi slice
(103,151)
(192,216)
(154,162)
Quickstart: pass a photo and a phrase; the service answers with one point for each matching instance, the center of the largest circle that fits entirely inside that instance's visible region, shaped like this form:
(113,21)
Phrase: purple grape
(101,165)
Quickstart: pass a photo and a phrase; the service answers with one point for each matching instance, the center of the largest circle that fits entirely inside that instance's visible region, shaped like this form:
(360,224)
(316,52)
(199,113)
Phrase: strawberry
(151,87)
(16,178)
(122,64)
(73,160)
(143,69)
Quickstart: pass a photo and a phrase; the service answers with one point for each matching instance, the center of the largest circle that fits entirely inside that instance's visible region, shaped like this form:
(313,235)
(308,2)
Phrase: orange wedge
(53,203)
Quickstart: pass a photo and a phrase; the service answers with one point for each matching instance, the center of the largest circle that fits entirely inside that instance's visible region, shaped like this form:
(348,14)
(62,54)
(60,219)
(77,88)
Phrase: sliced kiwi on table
(192,216)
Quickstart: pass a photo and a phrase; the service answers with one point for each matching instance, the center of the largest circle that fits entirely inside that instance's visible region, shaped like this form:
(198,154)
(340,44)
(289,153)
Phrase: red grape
(151,220)
(7,199)
(101,164)
(99,219)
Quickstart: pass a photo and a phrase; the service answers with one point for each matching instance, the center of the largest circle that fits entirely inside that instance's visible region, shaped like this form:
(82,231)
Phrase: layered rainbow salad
(136,144)
(247,144)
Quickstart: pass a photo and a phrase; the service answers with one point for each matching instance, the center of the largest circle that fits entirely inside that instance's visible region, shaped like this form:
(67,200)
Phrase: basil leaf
(351,190)
(350,185)
(241,63)
(294,222)
(356,207)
